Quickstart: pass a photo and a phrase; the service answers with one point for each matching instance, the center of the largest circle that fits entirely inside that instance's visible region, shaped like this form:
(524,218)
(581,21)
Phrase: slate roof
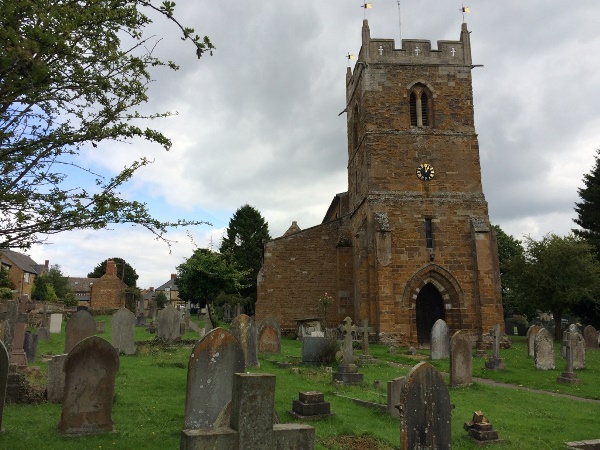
(169,284)
(23,262)
(81,284)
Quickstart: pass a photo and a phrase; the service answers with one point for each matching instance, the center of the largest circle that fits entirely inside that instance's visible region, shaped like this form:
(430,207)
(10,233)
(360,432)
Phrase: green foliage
(72,77)
(243,245)
(132,296)
(43,290)
(206,274)
(6,293)
(4,280)
(325,302)
(588,209)
(59,282)
(124,271)
(161,299)
(557,273)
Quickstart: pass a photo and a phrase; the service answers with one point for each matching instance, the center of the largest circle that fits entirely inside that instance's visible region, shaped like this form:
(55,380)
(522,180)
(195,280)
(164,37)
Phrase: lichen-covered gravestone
(169,324)
(4,363)
(122,325)
(591,337)
(461,360)
(440,340)
(532,331)
(347,371)
(81,325)
(244,329)
(544,350)
(578,350)
(90,371)
(211,366)
(269,337)
(495,362)
(425,410)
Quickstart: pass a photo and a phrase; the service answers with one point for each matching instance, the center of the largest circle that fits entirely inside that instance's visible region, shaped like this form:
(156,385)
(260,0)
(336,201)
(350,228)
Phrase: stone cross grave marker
(90,371)
(591,337)
(543,350)
(269,337)
(80,326)
(425,410)
(347,350)
(461,360)
(568,376)
(56,378)
(123,331)
(364,330)
(244,329)
(531,333)
(571,329)
(211,366)
(4,363)
(495,362)
(251,424)
(55,323)
(169,324)
(347,371)
(440,340)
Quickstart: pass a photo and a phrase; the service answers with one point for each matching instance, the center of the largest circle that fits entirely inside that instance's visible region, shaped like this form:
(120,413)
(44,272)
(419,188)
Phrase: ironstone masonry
(405,245)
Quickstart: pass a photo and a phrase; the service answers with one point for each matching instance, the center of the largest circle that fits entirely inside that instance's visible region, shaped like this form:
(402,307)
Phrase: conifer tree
(588,210)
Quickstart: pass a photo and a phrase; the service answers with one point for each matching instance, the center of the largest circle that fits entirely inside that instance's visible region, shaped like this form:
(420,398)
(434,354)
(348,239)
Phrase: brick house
(108,291)
(410,241)
(171,290)
(22,271)
(82,288)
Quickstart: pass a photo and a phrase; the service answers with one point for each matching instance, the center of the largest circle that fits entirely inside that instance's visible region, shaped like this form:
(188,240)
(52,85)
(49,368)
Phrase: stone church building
(410,241)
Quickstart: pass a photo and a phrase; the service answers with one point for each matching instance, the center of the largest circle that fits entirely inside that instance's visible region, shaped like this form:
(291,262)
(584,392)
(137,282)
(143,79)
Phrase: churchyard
(150,398)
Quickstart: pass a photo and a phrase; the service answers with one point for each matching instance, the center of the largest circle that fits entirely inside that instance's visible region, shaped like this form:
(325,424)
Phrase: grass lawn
(150,396)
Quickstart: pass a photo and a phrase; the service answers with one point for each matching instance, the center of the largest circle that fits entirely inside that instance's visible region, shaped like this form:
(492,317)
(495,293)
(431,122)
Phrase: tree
(43,290)
(6,286)
(559,272)
(59,282)
(243,245)
(588,210)
(206,274)
(72,77)
(124,271)
(161,300)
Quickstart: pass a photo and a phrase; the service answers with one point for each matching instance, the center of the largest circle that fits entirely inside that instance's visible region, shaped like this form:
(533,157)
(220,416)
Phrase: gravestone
(440,340)
(568,376)
(314,349)
(251,423)
(30,344)
(365,357)
(17,355)
(269,337)
(141,317)
(169,327)
(481,430)
(153,310)
(544,350)
(347,371)
(90,371)
(80,326)
(310,405)
(461,360)
(244,329)
(55,323)
(43,334)
(495,362)
(211,366)
(44,323)
(100,326)
(123,331)
(9,321)
(56,378)
(425,410)
(571,329)
(4,364)
(227,313)
(578,350)
(590,334)
(238,310)
(531,332)
(394,389)
(186,319)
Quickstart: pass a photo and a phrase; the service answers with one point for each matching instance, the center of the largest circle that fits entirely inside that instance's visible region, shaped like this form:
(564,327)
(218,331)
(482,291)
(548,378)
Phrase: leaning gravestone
(394,389)
(211,366)
(269,336)
(81,325)
(461,360)
(440,340)
(55,323)
(169,327)
(123,331)
(425,410)
(251,423)
(543,354)
(4,363)
(56,378)
(244,329)
(531,333)
(90,371)
(591,337)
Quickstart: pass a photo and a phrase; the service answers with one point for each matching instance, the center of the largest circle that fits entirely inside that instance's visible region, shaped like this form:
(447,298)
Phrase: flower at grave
(325,302)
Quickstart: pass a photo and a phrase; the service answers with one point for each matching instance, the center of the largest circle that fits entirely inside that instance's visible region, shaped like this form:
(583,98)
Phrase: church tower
(423,247)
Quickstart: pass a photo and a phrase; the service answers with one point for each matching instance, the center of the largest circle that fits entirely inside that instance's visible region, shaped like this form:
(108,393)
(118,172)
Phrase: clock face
(425,172)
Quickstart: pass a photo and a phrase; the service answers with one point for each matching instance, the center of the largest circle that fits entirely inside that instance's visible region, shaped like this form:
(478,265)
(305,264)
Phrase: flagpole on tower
(400,23)
(366,6)
(465,9)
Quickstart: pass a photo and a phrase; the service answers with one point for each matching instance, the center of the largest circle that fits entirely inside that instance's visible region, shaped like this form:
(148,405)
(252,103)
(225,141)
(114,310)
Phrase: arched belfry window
(420,106)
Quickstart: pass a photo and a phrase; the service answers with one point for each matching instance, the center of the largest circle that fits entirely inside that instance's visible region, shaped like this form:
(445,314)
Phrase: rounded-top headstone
(591,337)
(461,359)
(440,340)
(269,336)
(81,325)
(531,332)
(544,350)
(122,325)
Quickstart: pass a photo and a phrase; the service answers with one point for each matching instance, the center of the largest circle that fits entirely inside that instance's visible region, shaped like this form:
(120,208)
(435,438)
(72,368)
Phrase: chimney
(111,267)
(173,276)
(47,264)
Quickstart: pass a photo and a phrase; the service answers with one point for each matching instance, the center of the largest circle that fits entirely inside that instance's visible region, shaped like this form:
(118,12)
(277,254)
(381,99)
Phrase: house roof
(23,262)
(169,284)
(81,284)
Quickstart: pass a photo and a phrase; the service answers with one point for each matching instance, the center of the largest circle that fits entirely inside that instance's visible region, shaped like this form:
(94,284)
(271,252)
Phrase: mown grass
(150,396)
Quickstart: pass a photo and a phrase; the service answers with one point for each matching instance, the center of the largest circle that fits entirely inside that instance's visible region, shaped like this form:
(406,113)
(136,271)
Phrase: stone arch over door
(434,278)
(429,307)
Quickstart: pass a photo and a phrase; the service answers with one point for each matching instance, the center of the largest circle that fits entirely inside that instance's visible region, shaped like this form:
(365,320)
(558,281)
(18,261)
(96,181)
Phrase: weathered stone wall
(108,292)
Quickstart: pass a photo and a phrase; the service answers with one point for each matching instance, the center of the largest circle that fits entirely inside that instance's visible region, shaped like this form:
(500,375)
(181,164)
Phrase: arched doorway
(430,307)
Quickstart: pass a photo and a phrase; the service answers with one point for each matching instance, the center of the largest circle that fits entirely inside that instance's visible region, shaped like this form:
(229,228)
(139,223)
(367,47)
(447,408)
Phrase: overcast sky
(258,121)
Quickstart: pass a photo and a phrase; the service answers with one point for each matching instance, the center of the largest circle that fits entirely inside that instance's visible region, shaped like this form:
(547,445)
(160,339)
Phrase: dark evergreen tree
(588,210)
(243,245)
(124,271)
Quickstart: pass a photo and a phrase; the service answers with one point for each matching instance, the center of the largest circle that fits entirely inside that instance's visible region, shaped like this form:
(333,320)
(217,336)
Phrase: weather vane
(465,9)
(366,6)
